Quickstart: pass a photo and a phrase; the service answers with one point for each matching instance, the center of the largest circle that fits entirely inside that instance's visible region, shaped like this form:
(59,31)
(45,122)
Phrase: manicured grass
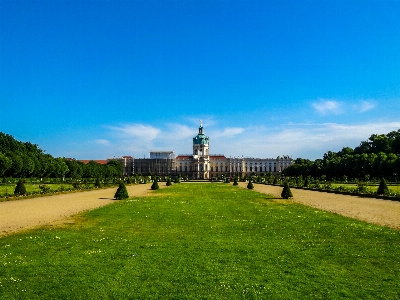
(32,187)
(203,241)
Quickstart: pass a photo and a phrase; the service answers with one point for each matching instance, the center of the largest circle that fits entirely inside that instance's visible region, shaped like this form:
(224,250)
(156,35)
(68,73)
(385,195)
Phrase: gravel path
(381,212)
(24,214)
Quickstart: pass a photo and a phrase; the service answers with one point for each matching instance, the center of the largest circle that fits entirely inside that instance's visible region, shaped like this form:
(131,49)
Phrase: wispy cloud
(365,105)
(336,107)
(145,132)
(228,132)
(307,140)
(325,106)
(102,142)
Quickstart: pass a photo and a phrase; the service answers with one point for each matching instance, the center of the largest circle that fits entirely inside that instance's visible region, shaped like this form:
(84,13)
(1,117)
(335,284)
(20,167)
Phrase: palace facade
(203,165)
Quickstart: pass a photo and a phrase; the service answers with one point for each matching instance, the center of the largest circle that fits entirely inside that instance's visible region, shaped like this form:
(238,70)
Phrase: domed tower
(201,155)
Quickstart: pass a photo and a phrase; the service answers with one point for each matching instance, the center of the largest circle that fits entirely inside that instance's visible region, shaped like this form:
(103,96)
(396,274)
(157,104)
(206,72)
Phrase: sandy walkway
(23,214)
(381,212)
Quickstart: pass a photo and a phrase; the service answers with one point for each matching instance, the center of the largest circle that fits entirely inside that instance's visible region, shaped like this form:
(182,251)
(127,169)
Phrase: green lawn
(31,187)
(203,241)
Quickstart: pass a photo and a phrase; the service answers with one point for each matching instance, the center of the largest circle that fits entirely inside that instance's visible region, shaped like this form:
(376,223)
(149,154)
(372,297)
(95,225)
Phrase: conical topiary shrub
(235,181)
(306,183)
(20,188)
(121,193)
(168,181)
(250,185)
(286,192)
(383,188)
(155,186)
(97,183)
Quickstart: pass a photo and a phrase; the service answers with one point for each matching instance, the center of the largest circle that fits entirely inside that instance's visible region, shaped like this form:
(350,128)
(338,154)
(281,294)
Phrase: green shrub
(168,181)
(383,188)
(250,185)
(235,181)
(44,189)
(286,192)
(20,188)
(155,186)
(97,183)
(121,192)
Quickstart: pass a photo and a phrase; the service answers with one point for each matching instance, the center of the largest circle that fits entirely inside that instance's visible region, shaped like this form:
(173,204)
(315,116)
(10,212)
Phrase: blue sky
(96,79)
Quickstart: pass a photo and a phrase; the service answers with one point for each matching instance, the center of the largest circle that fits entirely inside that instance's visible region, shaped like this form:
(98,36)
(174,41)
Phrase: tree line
(379,156)
(27,160)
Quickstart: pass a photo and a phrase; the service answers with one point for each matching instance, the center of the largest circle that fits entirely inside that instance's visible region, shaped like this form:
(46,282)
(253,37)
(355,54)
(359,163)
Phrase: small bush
(155,186)
(20,188)
(169,181)
(121,192)
(250,185)
(383,188)
(286,192)
(44,189)
(97,183)
(235,181)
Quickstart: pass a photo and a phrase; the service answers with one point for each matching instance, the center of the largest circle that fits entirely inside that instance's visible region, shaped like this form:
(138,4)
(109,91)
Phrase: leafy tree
(121,192)
(383,188)
(5,164)
(20,188)
(286,192)
(155,186)
(250,185)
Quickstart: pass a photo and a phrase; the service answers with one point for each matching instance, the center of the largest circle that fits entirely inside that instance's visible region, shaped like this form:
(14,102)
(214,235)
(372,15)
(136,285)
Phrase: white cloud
(145,132)
(102,142)
(365,105)
(332,106)
(325,106)
(306,140)
(299,140)
(228,132)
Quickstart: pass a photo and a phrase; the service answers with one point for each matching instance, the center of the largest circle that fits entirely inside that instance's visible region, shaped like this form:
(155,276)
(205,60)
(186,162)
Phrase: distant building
(127,163)
(162,154)
(200,164)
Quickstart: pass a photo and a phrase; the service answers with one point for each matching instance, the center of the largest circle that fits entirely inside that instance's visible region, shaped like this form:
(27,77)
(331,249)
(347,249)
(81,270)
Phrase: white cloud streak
(310,140)
(336,107)
(325,107)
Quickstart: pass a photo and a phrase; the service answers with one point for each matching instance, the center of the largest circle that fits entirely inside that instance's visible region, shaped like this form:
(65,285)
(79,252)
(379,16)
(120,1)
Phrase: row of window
(236,169)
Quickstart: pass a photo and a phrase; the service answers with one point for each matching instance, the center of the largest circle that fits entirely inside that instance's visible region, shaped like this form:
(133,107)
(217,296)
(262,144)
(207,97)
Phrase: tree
(20,188)
(383,188)
(286,192)
(250,185)
(121,193)
(155,186)
(5,164)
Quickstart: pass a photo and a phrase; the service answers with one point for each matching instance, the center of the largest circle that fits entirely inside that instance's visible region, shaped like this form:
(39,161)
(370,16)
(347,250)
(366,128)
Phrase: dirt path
(24,214)
(381,212)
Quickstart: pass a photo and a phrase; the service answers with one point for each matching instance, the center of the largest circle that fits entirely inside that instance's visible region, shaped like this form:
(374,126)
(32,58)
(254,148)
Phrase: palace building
(203,165)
